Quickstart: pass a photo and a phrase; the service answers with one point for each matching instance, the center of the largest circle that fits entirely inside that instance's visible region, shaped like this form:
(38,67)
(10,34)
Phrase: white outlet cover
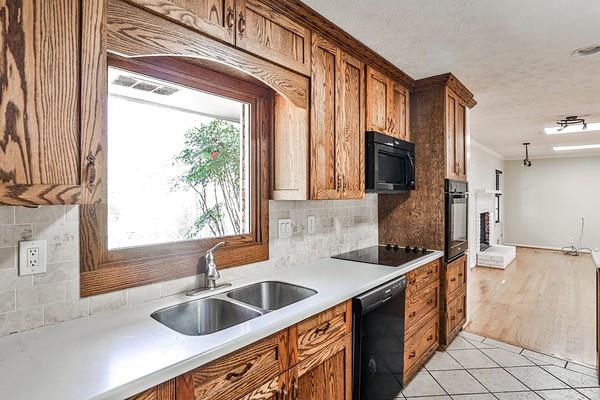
(29,262)
(284,228)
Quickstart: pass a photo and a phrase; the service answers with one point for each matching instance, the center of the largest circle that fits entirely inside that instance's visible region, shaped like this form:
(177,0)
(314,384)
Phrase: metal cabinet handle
(91,171)
(429,338)
(452,280)
(412,314)
(430,301)
(234,376)
(294,388)
(242,23)
(230,18)
(412,354)
(284,391)
(452,318)
(324,329)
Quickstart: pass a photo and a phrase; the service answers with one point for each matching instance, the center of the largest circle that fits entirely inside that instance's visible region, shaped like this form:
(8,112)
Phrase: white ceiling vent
(146,86)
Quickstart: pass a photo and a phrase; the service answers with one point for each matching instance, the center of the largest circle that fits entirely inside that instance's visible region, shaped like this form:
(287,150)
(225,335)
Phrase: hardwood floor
(544,301)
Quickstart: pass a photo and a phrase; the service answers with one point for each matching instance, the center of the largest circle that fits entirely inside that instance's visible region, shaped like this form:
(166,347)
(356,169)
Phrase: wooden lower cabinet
(422,317)
(311,360)
(454,299)
(328,374)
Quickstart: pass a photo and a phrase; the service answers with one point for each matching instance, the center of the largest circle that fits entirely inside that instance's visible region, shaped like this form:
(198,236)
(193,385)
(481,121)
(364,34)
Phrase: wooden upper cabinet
(271,35)
(249,24)
(378,94)
(399,112)
(216,18)
(39,108)
(456,136)
(337,123)
(387,105)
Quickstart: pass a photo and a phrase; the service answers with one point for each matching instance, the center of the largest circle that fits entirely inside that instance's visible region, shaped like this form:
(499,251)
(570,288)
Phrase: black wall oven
(457,209)
(390,164)
(378,336)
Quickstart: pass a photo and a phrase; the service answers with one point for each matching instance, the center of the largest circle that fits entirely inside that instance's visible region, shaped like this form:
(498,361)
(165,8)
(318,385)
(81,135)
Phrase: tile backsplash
(32,301)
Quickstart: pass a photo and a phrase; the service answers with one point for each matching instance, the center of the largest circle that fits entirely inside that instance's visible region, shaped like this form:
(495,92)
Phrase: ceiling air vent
(146,86)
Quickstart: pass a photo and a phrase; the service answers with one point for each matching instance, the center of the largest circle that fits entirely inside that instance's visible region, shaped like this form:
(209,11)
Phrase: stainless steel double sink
(215,313)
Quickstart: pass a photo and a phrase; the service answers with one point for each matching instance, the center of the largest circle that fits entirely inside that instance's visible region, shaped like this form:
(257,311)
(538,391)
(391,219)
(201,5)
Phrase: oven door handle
(412,164)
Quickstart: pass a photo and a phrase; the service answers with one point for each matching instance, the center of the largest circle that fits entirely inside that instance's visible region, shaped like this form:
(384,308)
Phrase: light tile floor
(476,368)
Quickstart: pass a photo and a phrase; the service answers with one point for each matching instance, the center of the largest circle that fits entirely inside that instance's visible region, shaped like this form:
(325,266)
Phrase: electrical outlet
(311,221)
(284,228)
(32,257)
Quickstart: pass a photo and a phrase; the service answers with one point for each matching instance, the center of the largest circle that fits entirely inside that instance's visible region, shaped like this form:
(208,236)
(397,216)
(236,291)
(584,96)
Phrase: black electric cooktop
(388,255)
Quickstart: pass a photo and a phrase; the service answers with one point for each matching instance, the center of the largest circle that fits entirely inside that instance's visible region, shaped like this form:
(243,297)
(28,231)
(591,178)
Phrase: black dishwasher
(378,335)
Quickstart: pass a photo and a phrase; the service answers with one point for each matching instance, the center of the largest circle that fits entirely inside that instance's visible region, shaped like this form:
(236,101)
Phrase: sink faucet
(211,274)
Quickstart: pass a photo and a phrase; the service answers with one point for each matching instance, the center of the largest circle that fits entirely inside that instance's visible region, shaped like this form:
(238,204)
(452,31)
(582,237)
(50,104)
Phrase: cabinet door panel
(39,116)
(377,101)
(216,18)
(233,376)
(350,131)
(273,36)
(451,135)
(398,120)
(327,375)
(460,140)
(323,174)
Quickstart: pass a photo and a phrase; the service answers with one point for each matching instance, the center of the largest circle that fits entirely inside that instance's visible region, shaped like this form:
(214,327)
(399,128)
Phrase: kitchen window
(186,168)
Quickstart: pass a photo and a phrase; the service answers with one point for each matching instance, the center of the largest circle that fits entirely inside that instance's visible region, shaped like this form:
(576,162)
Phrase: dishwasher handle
(374,298)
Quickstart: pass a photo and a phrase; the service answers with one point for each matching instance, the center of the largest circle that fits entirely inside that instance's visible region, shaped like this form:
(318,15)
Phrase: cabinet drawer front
(420,304)
(418,346)
(456,314)
(321,330)
(234,375)
(455,275)
(422,277)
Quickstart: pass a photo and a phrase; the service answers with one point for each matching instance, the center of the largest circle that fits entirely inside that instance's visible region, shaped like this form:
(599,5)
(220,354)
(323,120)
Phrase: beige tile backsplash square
(33,301)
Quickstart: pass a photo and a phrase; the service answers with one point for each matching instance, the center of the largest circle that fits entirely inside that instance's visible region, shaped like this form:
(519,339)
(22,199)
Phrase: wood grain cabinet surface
(248,24)
(387,105)
(39,108)
(422,317)
(456,136)
(337,123)
(311,360)
(454,297)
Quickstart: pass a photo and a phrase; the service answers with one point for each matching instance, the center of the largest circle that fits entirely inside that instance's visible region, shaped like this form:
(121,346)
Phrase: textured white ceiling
(513,55)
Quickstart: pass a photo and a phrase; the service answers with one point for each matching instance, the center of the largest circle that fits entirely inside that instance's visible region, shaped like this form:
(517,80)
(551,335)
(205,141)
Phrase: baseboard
(535,246)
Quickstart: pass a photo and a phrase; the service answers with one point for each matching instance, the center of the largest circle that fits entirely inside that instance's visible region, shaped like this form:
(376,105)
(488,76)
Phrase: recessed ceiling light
(572,129)
(587,50)
(577,147)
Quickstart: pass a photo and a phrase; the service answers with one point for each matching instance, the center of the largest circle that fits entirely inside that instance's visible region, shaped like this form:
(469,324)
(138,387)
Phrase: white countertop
(116,354)
(596,257)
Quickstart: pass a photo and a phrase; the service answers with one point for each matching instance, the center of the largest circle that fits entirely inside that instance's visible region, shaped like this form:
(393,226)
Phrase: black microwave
(390,164)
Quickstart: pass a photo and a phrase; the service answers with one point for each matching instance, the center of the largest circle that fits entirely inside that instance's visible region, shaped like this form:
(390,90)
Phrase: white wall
(483,163)
(545,203)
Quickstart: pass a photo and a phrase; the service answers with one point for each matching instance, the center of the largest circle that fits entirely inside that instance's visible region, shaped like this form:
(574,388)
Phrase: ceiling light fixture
(572,124)
(587,51)
(577,147)
(526,161)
